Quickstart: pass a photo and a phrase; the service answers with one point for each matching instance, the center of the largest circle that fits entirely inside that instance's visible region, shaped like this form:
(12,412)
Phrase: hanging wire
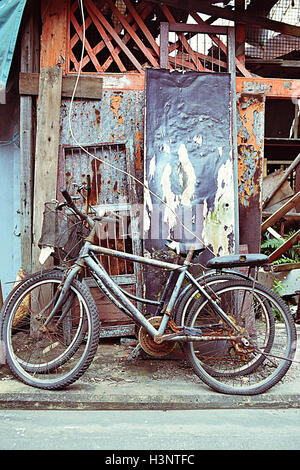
(16,138)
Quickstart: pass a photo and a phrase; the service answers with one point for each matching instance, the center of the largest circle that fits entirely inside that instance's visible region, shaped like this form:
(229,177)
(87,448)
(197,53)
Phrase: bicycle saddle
(232,261)
(182,249)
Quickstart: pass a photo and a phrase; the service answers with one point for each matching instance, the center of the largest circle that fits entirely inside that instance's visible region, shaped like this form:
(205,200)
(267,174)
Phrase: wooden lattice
(123,36)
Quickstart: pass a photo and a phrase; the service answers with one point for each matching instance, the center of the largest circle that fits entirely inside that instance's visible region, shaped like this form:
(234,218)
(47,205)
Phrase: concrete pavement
(114,382)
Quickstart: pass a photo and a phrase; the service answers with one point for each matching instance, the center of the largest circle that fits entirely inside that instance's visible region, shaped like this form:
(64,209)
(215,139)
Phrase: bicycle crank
(148,344)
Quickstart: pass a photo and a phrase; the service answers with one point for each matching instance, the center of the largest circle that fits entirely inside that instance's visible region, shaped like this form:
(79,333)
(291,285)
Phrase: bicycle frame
(120,299)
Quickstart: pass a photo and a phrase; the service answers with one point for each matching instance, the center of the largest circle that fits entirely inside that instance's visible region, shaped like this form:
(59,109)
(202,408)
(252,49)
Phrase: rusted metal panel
(189,159)
(116,118)
(250,137)
(112,130)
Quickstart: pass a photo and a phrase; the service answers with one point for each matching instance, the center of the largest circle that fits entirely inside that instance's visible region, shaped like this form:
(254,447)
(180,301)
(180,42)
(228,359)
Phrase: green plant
(279,287)
(280,290)
(290,256)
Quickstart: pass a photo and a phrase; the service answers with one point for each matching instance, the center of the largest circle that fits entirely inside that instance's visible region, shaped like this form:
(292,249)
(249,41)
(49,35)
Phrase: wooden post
(29,64)
(164,49)
(240,33)
(47,142)
(54,33)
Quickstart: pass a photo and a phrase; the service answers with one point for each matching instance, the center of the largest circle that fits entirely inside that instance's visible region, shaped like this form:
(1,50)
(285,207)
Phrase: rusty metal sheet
(111,129)
(117,118)
(188,159)
(250,139)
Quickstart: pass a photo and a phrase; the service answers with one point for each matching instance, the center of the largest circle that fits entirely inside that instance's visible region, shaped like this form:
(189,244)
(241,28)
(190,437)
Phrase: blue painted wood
(10,246)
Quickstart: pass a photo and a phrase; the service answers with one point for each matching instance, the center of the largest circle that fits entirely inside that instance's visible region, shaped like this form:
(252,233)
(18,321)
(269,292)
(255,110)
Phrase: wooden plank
(280,212)
(164,49)
(29,62)
(286,267)
(285,247)
(271,87)
(46,155)
(142,26)
(88,87)
(287,172)
(144,11)
(54,33)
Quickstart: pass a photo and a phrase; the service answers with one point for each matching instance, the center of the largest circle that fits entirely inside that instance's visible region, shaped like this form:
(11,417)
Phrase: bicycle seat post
(169,310)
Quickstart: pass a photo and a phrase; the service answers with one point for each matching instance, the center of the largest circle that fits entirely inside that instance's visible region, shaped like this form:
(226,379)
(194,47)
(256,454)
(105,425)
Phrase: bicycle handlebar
(71,204)
(91,221)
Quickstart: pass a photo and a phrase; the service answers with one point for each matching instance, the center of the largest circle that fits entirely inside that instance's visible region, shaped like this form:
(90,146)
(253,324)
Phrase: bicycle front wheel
(251,358)
(54,356)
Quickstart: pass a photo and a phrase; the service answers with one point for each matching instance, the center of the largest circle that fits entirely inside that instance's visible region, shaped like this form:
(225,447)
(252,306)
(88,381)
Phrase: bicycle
(238,336)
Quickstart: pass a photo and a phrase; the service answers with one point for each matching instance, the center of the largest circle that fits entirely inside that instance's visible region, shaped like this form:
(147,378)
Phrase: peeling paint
(152,166)
(115,102)
(169,197)
(198,140)
(250,147)
(250,140)
(222,215)
(188,175)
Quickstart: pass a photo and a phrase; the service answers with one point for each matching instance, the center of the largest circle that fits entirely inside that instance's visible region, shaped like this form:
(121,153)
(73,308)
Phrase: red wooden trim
(285,247)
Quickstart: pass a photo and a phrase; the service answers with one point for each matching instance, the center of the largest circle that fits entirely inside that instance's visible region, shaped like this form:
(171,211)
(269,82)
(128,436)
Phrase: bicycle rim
(263,320)
(55,356)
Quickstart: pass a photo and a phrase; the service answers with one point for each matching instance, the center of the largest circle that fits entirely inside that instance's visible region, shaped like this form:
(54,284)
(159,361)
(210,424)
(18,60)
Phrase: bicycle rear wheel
(55,356)
(190,302)
(251,360)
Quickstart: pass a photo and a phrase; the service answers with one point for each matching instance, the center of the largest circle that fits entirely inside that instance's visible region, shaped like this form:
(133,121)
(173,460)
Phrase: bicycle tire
(277,360)
(54,357)
(189,304)
(182,306)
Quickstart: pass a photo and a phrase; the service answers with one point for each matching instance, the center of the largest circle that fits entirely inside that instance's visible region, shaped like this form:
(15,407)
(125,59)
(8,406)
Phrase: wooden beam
(271,87)
(29,62)
(286,174)
(46,155)
(229,14)
(88,87)
(285,247)
(54,35)
(280,212)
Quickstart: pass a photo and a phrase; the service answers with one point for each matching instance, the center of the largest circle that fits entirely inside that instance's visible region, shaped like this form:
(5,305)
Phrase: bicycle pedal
(135,353)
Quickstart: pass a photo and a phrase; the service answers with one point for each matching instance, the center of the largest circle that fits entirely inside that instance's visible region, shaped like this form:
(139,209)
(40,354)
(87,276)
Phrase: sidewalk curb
(128,397)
